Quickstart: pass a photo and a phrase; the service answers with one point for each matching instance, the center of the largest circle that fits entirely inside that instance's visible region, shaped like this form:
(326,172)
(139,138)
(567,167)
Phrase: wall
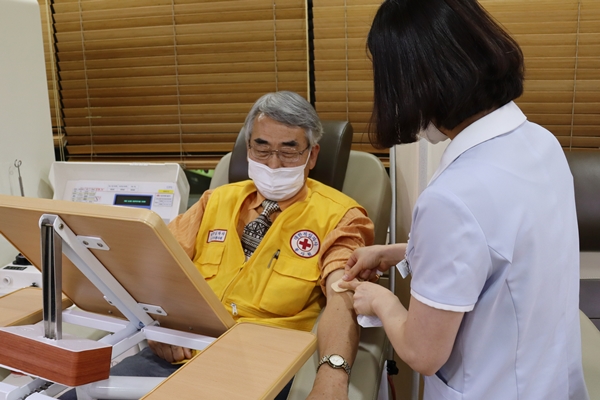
(415,165)
(25,127)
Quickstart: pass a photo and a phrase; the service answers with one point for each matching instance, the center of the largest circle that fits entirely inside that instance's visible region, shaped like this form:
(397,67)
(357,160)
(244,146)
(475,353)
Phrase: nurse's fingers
(352,260)
(363,263)
(362,269)
(352,285)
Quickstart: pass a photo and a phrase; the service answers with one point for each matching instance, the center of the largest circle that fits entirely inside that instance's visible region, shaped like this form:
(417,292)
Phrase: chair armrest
(590,346)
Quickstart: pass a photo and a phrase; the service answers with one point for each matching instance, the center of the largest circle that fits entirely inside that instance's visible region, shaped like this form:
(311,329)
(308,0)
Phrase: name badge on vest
(217,235)
(305,243)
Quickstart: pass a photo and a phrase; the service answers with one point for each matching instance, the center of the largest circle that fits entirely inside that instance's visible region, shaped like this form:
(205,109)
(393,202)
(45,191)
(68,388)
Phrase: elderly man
(271,247)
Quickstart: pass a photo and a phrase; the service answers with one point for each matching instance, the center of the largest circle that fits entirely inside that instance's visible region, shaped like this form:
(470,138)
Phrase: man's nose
(273,161)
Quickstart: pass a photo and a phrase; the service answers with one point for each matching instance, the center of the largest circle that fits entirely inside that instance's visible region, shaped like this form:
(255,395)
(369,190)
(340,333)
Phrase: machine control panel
(160,197)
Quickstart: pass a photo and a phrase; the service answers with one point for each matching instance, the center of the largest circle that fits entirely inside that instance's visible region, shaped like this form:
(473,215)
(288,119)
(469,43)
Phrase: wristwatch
(335,361)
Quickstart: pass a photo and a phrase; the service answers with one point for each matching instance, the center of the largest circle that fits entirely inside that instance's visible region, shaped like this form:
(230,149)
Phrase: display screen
(133,200)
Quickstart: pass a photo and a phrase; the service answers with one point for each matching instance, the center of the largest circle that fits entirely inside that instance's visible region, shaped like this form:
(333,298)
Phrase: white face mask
(277,184)
(432,134)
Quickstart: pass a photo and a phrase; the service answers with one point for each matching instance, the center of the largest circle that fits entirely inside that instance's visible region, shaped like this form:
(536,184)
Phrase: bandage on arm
(336,285)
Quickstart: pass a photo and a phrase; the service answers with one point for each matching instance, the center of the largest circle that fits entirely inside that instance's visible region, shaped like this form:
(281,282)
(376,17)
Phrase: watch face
(336,360)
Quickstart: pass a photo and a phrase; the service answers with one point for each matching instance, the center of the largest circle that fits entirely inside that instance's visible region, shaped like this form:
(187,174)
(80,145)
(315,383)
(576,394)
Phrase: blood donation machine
(160,187)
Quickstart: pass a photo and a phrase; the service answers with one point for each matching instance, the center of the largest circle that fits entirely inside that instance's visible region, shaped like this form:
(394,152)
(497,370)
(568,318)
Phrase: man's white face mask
(432,134)
(277,184)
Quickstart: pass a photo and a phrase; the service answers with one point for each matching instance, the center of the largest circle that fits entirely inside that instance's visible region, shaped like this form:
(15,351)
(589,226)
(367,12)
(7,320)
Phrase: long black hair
(439,61)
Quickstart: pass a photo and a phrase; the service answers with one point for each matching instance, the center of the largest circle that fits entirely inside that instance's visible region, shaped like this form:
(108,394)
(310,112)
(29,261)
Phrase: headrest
(332,162)
(585,167)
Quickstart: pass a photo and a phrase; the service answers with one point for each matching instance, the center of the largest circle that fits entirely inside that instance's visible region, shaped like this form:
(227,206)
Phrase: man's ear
(314,153)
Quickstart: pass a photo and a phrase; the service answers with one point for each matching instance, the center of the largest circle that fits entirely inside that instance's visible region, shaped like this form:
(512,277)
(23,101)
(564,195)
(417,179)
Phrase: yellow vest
(279,285)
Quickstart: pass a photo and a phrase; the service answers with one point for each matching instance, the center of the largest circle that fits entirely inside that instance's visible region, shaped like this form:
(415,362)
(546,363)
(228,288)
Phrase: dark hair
(439,61)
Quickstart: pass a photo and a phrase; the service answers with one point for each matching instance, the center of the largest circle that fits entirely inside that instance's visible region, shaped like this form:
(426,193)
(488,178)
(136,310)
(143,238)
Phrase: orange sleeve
(185,226)
(354,230)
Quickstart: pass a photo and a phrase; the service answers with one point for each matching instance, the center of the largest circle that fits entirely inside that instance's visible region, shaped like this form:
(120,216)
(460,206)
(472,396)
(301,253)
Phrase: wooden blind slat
(157,138)
(153,148)
(204,70)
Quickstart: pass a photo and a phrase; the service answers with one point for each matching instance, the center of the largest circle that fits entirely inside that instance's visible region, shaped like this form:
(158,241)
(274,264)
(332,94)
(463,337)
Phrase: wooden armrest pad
(24,307)
(249,361)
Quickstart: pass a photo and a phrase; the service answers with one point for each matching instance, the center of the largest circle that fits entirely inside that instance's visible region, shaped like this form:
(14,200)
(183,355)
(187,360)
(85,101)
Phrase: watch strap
(325,360)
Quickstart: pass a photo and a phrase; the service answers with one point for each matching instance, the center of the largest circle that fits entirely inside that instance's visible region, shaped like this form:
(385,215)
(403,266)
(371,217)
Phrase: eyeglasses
(284,155)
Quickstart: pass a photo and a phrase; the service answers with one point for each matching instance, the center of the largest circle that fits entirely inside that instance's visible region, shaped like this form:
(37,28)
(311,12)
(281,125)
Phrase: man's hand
(169,352)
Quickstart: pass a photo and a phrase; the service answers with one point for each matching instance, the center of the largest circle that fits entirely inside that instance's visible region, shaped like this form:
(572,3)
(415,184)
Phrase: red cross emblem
(305,243)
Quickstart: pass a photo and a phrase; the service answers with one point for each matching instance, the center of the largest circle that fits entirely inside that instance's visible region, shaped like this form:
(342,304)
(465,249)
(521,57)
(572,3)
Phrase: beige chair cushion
(368,183)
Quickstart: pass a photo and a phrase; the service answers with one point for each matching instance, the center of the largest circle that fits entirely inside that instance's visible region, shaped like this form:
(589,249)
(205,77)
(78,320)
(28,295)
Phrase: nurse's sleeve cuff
(441,306)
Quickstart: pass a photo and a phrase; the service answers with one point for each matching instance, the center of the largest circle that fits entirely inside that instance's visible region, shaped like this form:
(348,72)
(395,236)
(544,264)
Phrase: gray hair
(288,108)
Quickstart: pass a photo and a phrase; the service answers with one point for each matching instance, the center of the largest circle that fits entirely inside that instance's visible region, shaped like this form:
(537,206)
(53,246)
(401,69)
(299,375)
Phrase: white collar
(503,120)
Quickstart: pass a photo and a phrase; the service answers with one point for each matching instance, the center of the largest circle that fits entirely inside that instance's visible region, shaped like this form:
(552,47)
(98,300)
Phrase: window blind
(171,80)
(343,71)
(560,40)
(51,75)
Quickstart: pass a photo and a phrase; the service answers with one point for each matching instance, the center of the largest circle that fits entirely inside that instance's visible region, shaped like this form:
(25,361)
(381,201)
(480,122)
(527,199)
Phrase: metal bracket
(150,309)
(91,242)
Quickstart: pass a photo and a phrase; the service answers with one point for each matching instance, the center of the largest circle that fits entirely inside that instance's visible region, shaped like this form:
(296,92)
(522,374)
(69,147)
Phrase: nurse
(493,249)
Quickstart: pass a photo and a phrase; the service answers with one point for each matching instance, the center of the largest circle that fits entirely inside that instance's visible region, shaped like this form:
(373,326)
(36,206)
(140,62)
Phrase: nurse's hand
(169,352)
(368,296)
(366,261)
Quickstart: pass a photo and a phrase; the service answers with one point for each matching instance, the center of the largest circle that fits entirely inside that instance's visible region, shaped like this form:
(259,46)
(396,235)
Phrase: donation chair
(363,177)
(585,167)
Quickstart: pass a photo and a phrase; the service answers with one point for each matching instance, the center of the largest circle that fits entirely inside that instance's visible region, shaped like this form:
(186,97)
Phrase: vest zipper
(226,290)
(254,313)
(234,309)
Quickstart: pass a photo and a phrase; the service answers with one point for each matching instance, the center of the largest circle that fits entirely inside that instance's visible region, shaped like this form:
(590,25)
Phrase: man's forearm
(338,333)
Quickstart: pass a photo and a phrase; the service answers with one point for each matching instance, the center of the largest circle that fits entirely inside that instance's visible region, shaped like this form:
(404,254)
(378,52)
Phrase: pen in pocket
(275,257)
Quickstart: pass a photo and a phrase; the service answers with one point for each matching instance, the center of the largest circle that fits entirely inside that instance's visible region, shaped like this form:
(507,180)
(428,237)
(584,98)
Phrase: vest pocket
(289,286)
(208,262)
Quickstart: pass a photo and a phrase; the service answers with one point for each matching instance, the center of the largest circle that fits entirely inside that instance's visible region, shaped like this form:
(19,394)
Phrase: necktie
(256,230)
